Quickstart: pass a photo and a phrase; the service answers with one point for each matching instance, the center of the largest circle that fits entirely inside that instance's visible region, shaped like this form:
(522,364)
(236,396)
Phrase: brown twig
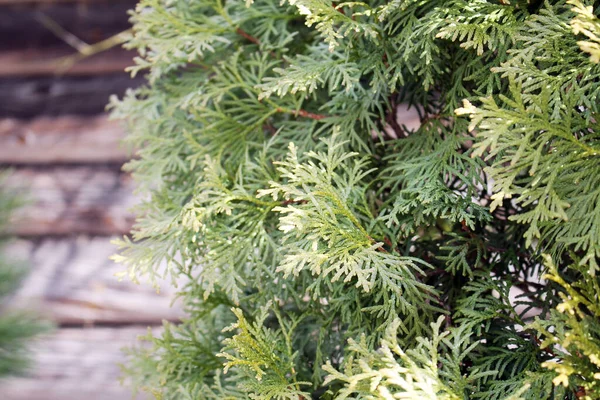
(247,36)
(304,113)
(391,120)
(580,393)
(388,242)
(381,249)
(335,7)
(272,130)
(84,49)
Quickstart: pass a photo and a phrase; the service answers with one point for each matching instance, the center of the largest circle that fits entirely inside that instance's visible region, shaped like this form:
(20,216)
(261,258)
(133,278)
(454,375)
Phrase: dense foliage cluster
(17,328)
(325,247)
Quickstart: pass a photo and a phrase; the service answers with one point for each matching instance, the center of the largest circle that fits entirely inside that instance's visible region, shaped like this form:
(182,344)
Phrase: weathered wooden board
(90,21)
(31,56)
(75,364)
(72,279)
(64,201)
(73,282)
(61,95)
(62,140)
(52,61)
(16,2)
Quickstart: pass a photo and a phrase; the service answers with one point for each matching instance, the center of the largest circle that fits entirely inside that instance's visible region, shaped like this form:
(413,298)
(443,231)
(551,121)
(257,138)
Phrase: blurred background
(55,135)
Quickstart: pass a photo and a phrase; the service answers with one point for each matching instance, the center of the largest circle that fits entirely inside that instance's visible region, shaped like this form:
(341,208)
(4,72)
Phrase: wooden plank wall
(31,82)
(76,363)
(66,154)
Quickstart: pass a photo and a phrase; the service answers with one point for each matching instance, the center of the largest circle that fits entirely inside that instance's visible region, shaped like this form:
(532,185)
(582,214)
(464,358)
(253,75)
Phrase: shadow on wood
(76,364)
(73,282)
(67,201)
(62,140)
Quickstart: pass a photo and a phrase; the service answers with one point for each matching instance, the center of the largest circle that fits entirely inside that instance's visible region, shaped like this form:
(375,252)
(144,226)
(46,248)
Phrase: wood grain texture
(73,282)
(75,364)
(70,166)
(32,63)
(90,21)
(66,201)
(63,140)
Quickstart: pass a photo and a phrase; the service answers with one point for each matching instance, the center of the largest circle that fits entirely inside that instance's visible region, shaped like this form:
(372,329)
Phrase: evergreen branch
(368,236)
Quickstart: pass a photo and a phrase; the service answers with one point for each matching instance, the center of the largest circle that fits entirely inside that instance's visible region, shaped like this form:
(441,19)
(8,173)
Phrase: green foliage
(390,372)
(586,23)
(17,328)
(573,334)
(263,359)
(329,250)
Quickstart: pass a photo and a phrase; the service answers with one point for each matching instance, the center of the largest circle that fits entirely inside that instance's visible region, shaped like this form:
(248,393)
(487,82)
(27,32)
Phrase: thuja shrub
(17,327)
(324,247)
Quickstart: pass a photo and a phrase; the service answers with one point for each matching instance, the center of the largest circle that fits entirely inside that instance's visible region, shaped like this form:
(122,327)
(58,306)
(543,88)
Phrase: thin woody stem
(247,36)
(302,113)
